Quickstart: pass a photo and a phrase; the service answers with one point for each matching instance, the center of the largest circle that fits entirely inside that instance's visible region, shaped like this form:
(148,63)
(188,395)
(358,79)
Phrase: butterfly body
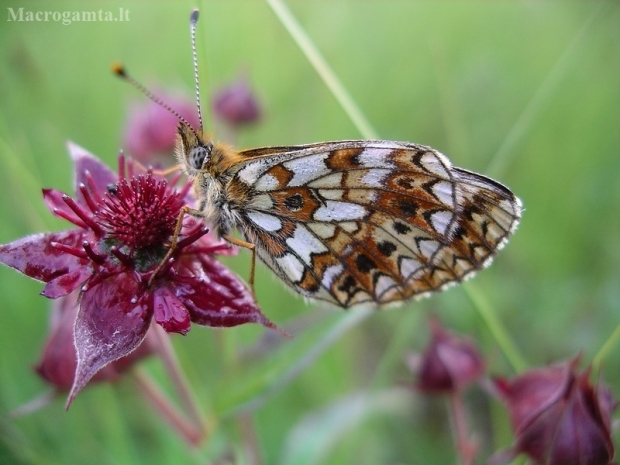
(353,221)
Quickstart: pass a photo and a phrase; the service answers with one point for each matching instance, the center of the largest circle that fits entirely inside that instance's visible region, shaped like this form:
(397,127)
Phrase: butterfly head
(193,151)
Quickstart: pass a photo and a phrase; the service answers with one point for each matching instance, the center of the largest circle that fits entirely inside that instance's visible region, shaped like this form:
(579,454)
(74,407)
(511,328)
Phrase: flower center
(139,215)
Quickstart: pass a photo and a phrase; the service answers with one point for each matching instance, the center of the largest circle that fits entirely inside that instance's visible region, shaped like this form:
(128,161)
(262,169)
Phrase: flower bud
(236,104)
(449,362)
(558,417)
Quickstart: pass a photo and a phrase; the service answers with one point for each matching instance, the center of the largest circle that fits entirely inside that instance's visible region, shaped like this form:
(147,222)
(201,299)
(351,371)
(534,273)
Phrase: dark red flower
(558,417)
(124,226)
(151,128)
(449,362)
(236,104)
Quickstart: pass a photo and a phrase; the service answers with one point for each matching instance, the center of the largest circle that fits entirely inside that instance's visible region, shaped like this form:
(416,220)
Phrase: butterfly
(349,221)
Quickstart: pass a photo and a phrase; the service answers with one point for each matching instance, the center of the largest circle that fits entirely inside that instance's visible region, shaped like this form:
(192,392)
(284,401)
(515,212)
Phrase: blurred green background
(526,92)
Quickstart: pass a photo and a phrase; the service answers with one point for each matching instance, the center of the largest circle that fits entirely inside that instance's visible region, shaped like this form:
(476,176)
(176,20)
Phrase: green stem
(497,329)
(163,347)
(605,349)
(182,426)
(323,69)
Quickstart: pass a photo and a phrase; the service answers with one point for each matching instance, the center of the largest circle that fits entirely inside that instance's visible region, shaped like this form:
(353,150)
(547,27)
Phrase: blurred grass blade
(333,335)
(551,83)
(323,69)
(606,349)
(497,329)
(318,432)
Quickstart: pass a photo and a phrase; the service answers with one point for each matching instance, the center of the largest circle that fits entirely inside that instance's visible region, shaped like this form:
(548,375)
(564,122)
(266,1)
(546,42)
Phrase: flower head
(558,417)
(123,227)
(449,362)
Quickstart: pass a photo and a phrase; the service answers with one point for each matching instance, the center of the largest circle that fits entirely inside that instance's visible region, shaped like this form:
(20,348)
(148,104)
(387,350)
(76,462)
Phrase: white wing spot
(340,211)
(408,266)
(383,284)
(323,230)
(264,221)
(375,178)
(444,192)
(261,202)
(428,248)
(306,169)
(333,180)
(330,274)
(305,244)
(331,194)
(250,173)
(441,220)
(436,163)
(291,266)
(267,182)
(373,157)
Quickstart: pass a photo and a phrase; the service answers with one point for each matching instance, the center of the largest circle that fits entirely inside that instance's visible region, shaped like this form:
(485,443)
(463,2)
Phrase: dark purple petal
(112,322)
(169,312)
(530,394)
(86,163)
(58,362)
(59,359)
(35,256)
(579,437)
(67,283)
(214,295)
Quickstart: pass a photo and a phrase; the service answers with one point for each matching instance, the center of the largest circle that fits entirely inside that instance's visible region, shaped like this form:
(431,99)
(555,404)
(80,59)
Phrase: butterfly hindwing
(378,221)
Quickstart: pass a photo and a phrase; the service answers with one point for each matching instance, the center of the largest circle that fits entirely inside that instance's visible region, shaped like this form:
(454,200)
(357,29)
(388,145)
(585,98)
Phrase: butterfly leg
(167,171)
(175,238)
(252,248)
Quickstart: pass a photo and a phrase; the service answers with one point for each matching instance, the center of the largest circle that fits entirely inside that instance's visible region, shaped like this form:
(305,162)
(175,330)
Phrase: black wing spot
(406,183)
(401,228)
(408,208)
(364,263)
(387,248)
(294,203)
(348,286)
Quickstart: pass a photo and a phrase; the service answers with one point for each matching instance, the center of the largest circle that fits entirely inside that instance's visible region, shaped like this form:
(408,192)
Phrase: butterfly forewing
(379,221)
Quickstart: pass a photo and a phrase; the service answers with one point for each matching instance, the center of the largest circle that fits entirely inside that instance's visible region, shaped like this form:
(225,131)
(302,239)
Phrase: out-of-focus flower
(124,224)
(449,362)
(236,104)
(558,417)
(151,129)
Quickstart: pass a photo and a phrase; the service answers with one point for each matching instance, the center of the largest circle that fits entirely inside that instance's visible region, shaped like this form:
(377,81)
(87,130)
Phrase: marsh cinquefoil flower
(123,226)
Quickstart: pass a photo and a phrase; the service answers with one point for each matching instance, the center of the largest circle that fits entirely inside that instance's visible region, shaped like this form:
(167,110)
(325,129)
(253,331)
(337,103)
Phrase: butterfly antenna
(121,72)
(193,19)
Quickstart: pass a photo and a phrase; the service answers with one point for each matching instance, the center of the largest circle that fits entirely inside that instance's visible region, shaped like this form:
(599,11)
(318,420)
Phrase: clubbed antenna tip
(119,70)
(194,16)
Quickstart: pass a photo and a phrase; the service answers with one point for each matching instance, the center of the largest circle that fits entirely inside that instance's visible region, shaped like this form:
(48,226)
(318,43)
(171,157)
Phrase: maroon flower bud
(151,129)
(558,417)
(236,104)
(449,362)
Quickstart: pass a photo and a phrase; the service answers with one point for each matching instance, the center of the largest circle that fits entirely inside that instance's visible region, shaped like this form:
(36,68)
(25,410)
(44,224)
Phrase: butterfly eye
(197,156)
